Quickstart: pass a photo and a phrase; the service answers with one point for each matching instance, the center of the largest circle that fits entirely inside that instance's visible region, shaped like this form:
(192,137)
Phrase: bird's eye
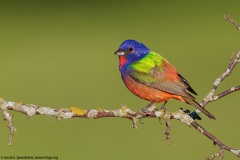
(130,50)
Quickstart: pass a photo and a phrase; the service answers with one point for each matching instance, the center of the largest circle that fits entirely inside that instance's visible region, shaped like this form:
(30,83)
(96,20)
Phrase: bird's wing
(162,76)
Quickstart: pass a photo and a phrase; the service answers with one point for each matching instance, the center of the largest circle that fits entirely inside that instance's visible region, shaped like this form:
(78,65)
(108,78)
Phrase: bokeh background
(60,54)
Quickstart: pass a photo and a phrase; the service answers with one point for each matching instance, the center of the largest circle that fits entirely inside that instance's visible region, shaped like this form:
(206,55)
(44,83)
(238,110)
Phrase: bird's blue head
(131,51)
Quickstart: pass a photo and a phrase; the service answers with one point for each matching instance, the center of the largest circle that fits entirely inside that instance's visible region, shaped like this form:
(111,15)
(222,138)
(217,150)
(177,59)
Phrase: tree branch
(215,141)
(227,17)
(124,112)
(210,97)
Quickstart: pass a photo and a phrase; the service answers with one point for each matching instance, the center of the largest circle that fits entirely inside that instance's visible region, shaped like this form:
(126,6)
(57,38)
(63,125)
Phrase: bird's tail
(192,102)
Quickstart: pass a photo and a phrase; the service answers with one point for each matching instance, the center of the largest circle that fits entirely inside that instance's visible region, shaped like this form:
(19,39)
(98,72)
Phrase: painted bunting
(151,77)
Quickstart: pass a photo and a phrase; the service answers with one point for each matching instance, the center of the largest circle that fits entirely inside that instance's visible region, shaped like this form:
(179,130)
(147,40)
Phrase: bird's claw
(145,109)
(163,106)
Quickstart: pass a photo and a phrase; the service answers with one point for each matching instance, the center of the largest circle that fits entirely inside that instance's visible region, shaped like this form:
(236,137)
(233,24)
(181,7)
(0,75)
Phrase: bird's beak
(120,52)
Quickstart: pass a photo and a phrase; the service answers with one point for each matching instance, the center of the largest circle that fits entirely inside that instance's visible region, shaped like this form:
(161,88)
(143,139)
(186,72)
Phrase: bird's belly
(148,93)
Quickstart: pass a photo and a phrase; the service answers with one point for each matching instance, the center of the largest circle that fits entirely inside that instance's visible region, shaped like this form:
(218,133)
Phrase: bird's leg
(164,109)
(148,106)
(163,106)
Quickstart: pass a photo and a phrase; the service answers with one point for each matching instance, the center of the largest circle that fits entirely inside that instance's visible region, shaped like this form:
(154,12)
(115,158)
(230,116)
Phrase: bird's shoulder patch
(151,60)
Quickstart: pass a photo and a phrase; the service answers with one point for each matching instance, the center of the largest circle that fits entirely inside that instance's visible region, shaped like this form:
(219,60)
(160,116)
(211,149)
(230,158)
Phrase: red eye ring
(130,50)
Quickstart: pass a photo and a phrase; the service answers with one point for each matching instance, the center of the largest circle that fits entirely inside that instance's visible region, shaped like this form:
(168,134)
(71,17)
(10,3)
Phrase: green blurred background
(60,54)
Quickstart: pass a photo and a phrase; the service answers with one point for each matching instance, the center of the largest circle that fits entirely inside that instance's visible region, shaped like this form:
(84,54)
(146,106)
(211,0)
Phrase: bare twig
(227,17)
(167,132)
(232,89)
(215,141)
(219,154)
(8,118)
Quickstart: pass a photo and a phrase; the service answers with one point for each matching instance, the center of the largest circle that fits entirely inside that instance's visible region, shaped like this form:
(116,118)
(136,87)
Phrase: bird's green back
(144,65)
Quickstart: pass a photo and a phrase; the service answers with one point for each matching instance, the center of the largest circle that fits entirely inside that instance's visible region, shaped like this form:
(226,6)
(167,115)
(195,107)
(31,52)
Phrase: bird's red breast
(122,60)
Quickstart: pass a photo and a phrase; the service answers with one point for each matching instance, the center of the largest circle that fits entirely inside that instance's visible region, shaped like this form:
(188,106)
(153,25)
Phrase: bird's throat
(122,60)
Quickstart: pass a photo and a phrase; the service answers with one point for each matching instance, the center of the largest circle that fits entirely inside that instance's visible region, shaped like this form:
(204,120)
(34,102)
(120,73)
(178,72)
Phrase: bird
(150,76)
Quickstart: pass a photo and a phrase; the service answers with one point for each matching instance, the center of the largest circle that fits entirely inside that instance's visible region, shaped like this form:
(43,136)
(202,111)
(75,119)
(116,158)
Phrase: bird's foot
(163,106)
(145,109)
